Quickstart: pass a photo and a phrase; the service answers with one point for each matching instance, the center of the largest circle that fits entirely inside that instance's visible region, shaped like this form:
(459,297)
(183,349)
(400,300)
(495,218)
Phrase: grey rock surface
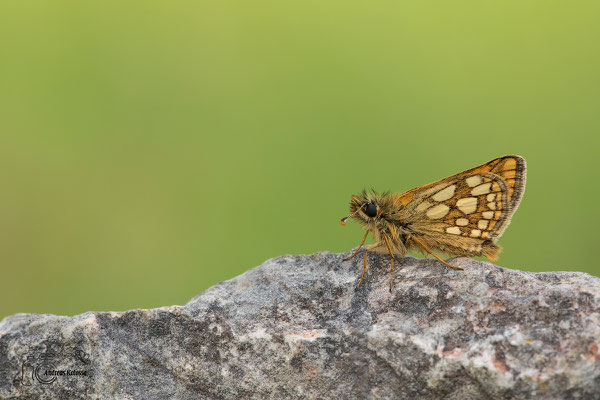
(295,327)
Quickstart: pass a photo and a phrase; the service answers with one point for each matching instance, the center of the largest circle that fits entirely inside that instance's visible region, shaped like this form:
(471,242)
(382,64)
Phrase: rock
(295,327)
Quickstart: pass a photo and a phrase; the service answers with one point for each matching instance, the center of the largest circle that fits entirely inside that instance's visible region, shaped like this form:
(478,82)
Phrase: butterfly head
(365,209)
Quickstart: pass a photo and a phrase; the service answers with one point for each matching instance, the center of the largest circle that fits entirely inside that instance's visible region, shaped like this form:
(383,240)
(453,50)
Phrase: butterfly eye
(371,210)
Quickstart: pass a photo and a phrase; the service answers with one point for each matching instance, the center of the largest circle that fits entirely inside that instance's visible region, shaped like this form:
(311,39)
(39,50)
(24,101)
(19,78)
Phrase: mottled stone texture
(295,327)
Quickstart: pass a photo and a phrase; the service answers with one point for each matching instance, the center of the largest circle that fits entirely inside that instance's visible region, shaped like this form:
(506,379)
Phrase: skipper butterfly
(463,214)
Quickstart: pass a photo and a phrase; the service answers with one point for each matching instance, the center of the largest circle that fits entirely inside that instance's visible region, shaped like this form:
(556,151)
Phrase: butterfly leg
(387,243)
(365,267)
(424,247)
(359,246)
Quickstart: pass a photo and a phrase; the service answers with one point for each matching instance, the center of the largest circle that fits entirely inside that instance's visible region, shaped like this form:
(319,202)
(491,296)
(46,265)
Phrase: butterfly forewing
(510,168)
(466,209)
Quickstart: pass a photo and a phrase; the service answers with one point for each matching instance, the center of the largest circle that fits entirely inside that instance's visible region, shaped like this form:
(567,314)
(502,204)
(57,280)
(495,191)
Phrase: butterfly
(463,214)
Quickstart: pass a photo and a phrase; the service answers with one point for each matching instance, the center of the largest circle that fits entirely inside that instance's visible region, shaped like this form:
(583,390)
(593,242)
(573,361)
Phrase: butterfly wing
(465,213)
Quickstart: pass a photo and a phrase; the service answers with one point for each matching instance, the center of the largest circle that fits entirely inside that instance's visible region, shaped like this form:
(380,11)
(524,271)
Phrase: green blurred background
(151,149)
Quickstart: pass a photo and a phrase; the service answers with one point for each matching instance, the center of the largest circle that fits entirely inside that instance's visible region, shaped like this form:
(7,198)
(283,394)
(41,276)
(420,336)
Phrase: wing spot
(444,194)
(467,204)
(498,214)
(496,187)
(473,180)
(492,205)
(462,222)
(491,197)
(438,211)
(481,189)
(424,205)
(488,214)
(434,189)
(475,233)
(455,230)
(483,224)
